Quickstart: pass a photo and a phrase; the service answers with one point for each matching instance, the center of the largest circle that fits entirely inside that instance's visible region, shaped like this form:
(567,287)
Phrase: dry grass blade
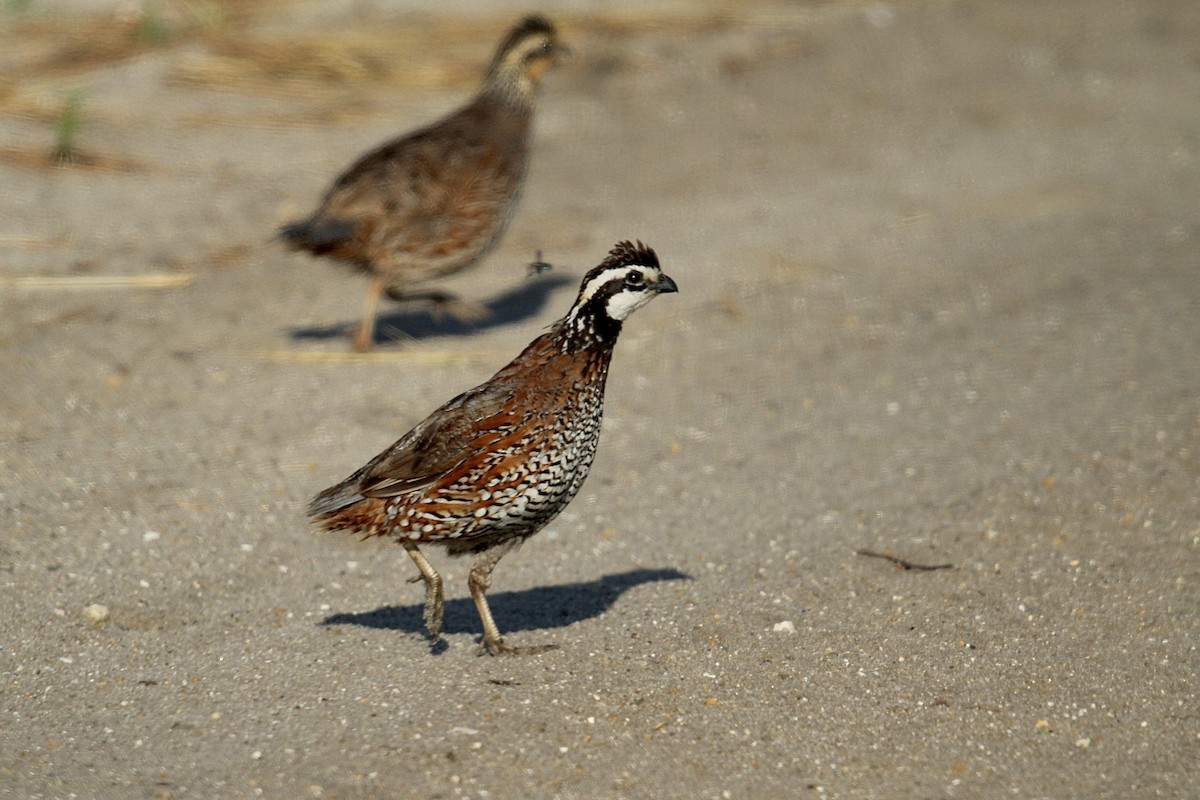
(72,43)
(400,55)
(158,280)
(30,242)
(43,158)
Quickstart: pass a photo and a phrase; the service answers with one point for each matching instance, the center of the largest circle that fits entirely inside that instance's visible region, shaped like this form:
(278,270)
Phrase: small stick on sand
(900,562)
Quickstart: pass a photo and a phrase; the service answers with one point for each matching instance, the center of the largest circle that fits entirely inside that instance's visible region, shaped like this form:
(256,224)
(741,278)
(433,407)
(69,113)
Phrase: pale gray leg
(479,580)
(435,604)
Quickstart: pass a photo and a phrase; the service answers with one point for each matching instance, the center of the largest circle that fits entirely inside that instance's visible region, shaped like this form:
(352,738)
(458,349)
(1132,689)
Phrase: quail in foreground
(493,466)
(436,201)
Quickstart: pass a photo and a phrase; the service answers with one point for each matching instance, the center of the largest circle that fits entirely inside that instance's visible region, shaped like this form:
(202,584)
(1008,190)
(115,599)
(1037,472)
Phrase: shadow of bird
(538,608)
(517,304)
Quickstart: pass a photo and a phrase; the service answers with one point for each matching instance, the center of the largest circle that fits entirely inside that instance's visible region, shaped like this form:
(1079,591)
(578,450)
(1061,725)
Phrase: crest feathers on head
(627,254)
(530,25)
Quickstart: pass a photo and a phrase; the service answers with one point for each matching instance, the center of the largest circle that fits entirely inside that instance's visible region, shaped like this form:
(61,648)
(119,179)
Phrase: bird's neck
(514,90)
(584,329)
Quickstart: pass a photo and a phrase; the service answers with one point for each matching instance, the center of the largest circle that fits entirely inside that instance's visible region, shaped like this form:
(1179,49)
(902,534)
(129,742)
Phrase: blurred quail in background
(436,201)
(493,466)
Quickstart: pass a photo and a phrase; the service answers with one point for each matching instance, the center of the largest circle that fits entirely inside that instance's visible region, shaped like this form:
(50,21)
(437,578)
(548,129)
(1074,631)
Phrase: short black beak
(666,285)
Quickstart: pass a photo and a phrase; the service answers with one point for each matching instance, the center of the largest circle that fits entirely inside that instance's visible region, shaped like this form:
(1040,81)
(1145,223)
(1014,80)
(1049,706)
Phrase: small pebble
(1084,743)
(787,626)
(96,613)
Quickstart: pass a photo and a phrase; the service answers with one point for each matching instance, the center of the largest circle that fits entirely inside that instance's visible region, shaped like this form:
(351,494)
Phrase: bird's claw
(498,647)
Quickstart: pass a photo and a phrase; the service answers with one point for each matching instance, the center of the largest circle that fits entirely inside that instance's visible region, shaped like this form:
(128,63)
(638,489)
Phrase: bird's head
(622,283)
(527,51)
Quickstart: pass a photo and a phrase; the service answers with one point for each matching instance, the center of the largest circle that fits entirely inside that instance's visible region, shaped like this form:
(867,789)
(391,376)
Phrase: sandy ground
(939,293)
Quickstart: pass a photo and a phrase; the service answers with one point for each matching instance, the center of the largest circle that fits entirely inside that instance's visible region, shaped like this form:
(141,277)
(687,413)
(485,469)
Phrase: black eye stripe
(617,286)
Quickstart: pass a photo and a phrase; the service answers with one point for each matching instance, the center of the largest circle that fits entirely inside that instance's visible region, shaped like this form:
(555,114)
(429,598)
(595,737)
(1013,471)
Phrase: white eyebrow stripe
(591,287)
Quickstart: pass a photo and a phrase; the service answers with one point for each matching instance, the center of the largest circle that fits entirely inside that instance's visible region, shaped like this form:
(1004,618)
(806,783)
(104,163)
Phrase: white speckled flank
(557,456)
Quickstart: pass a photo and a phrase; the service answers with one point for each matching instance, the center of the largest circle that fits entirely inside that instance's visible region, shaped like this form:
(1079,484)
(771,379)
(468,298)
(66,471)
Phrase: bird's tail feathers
(334,499)
(317,236)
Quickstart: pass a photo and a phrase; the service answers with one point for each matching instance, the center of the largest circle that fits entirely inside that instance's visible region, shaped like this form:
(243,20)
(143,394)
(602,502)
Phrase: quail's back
(494,465)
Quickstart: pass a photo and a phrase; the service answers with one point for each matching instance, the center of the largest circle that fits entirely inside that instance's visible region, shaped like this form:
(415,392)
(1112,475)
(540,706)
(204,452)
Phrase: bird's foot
(447,304)
(498,647)
(433,620)
(435,609)
(435,606)
(466,311)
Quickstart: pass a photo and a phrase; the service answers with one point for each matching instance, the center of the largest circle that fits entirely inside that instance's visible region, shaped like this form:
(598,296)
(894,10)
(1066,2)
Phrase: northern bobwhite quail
(437,200)
(494,465)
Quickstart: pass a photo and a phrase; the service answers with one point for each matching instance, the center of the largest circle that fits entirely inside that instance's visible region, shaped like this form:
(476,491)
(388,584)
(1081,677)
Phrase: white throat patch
(624,303)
